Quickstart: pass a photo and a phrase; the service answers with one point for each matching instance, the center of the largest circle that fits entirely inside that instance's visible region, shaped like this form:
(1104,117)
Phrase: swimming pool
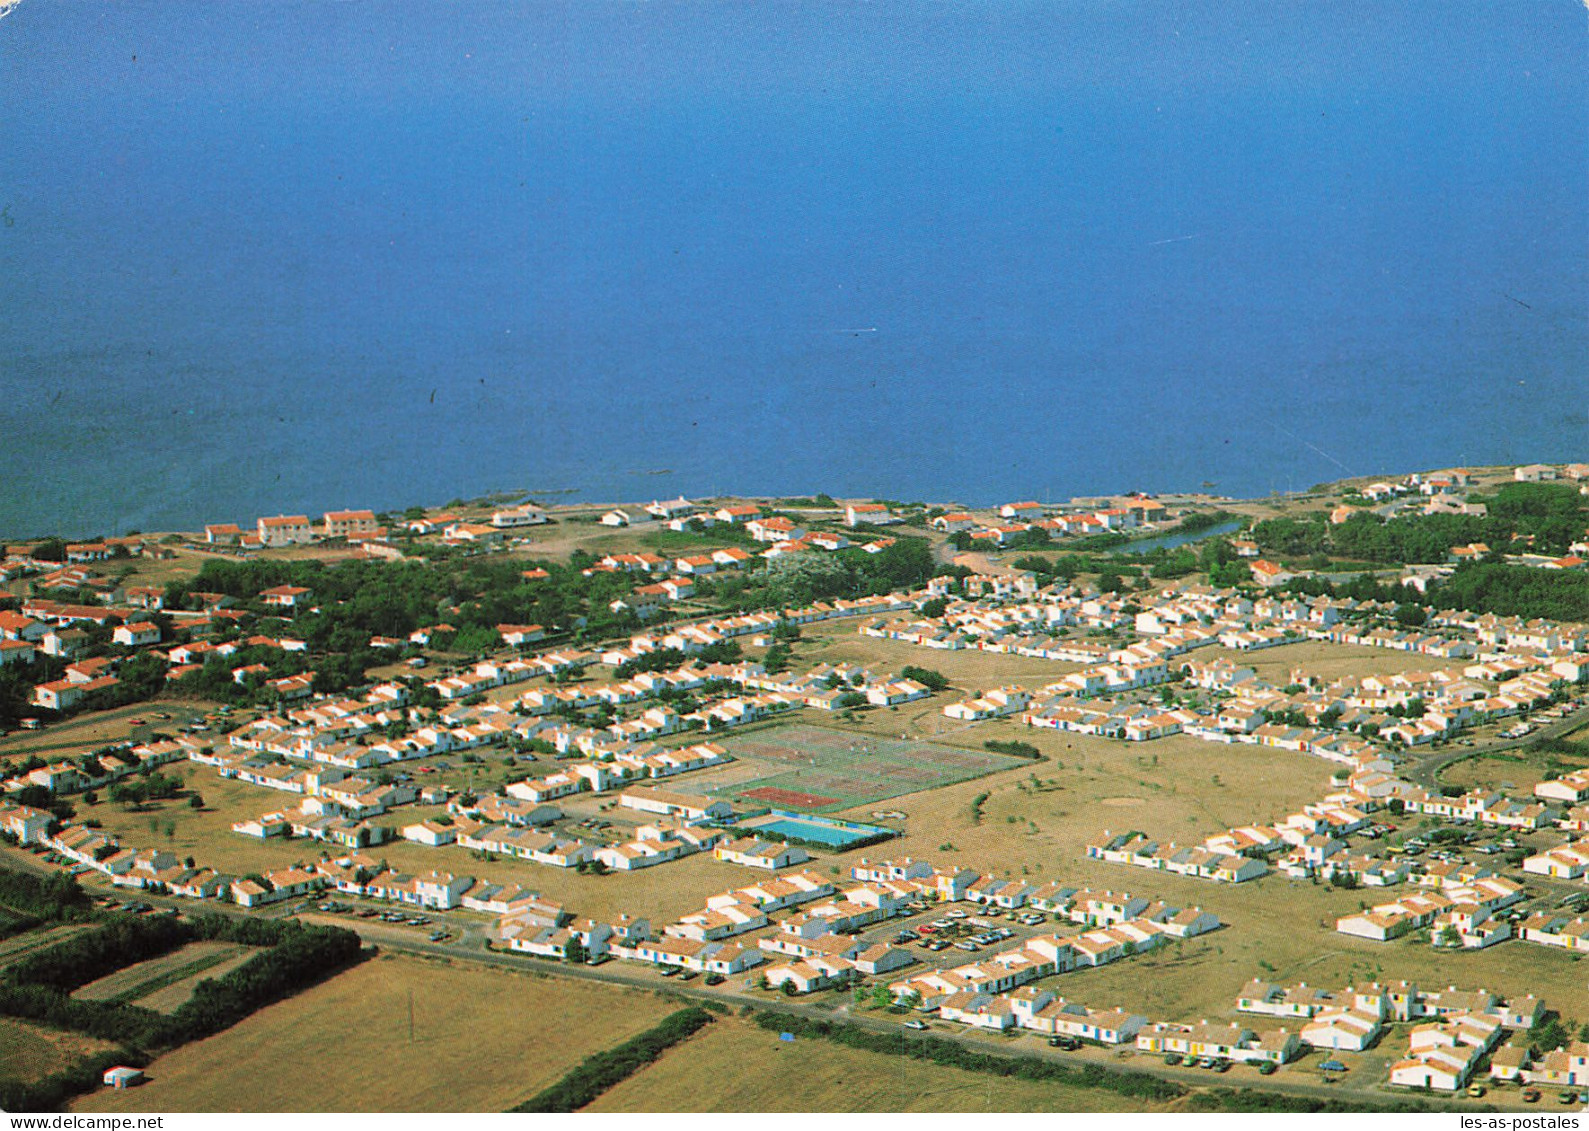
(816,830)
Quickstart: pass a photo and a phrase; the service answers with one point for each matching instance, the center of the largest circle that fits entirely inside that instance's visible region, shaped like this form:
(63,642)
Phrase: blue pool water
(834,834)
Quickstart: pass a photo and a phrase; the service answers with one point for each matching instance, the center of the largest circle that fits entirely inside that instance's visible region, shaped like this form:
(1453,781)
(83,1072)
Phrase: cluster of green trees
(1013,747)
(30,900)
(669,659)
(1552,515)
(1480,587)
(596,1074)
(800,579)
(927,677)
(140,788)
(955,1054)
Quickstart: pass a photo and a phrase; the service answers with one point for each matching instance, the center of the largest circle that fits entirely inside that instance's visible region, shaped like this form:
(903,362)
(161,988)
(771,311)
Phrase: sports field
(819,770)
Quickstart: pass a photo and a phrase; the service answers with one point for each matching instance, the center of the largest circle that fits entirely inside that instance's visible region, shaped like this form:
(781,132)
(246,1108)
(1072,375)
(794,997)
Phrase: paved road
(1427,771)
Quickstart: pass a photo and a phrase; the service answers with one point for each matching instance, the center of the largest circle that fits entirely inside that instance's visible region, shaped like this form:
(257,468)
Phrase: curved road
(1427,771)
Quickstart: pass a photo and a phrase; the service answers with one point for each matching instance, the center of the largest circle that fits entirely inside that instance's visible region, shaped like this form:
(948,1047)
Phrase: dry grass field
(185,965)
(733,1066)
(484,1039)
(85,732)
(1330,661)
(966,670)
(1517,771)
(30,1052)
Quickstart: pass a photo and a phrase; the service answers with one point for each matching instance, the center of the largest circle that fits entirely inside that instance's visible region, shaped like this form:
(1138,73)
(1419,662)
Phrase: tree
(1450,936)
(195,802)
(881,998)
(789,988)
(574,952)
(927,677)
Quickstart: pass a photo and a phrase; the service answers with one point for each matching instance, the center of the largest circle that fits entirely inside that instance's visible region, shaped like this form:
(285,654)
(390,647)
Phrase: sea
(261,257)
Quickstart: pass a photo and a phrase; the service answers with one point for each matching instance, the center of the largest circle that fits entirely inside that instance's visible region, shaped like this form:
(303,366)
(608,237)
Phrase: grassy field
(1517,771)
(733,1066)
(131,983)
(29,1052)
(483,1040)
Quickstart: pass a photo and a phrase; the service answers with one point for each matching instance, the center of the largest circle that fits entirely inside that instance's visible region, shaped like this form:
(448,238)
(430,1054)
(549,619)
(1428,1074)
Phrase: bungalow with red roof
(285,596)
(136,635)
(340,524)
(742,512)
(285,530)
(518,635)
(1269,574)
(775,529)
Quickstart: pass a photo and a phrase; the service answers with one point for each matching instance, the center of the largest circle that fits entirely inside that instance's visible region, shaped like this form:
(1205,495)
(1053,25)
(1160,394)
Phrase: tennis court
(818,770)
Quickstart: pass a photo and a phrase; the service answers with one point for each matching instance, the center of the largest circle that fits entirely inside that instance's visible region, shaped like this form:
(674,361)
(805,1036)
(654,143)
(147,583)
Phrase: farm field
(822,769)
(483,1040)
(18,946)
(184,965)
(31,1052)
(734,1066)
(174,995)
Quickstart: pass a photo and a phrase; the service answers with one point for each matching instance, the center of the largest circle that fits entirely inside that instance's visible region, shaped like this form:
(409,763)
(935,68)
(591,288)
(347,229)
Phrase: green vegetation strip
(956,1055)
(38,987)
(596,1074)
(171,977)
(1250,1099)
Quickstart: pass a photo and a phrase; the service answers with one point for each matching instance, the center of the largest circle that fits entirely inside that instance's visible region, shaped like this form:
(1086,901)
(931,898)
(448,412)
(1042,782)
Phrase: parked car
(913,1023)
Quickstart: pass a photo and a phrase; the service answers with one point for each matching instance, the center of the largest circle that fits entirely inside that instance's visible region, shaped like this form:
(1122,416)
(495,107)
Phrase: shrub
(595,1074)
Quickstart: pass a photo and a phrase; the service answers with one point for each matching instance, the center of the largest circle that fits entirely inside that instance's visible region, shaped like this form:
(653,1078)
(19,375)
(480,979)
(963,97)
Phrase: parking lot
(941,937)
